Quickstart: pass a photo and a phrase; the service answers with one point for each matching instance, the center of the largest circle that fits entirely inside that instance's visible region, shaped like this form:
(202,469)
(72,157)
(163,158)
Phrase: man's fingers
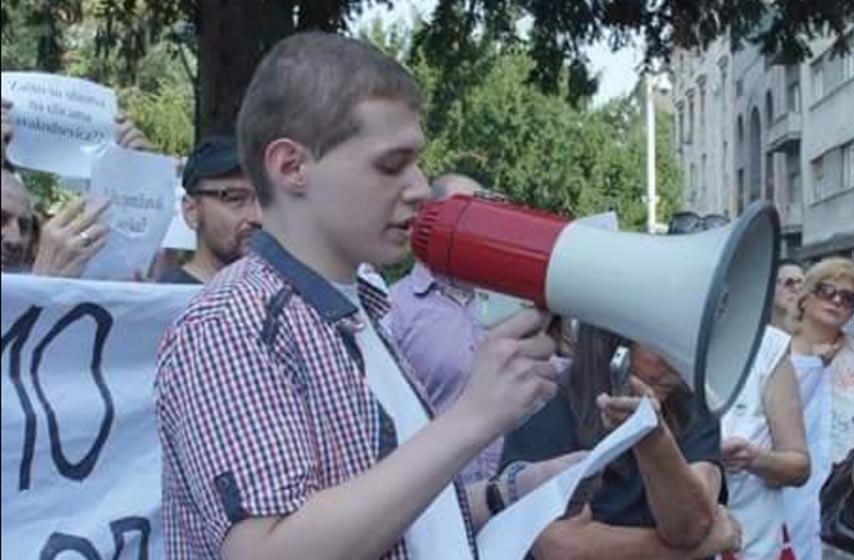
(94,211)
(538,347)
(94,247)
(521,325)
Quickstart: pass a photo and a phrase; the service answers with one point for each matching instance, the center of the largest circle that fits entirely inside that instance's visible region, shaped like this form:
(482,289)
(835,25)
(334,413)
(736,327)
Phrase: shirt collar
(312,287)
(422,279)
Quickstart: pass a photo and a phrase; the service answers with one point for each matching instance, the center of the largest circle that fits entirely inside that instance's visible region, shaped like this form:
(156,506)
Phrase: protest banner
(141,190)
(59,121)
(80,453)
(80,456)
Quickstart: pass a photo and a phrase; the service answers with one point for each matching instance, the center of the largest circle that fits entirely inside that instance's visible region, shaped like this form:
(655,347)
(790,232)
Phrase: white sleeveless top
(757,506)
(803,510)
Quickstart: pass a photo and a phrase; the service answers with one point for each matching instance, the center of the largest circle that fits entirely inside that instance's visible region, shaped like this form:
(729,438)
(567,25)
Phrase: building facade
(749,128)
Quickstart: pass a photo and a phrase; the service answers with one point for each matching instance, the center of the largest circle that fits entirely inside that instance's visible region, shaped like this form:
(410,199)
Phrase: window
(794,97)
(769,177)
(702,110)
(724,158)
(724,92)
(817,179)
(794,169)
(691,119)
(703,177)
(769,109)
(848,166)
(848,65)
(739,86)
(739,140)
(725,168)
(817,81)
(692,182)
(681,131)
(739,195)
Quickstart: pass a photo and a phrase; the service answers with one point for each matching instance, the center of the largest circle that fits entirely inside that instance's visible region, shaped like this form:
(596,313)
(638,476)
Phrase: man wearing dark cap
(219,205)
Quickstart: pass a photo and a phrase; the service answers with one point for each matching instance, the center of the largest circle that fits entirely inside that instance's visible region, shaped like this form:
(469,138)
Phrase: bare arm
(787,463)
(368,514)
(682,497)
(579,538)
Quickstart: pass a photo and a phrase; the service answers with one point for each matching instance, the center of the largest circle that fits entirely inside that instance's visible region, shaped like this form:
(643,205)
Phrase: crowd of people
(306,410)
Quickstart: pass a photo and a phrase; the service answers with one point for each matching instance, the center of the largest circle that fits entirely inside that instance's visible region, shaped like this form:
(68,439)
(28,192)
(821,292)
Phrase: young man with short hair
(290,427)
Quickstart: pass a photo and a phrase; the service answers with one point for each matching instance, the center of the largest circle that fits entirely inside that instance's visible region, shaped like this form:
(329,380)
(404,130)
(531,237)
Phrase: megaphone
(701,301)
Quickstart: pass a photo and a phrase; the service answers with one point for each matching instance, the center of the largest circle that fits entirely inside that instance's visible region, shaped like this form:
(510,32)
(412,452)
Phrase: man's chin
(394,255)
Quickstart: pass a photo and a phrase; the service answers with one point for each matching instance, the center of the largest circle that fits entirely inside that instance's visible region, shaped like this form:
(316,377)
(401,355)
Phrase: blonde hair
(834,268)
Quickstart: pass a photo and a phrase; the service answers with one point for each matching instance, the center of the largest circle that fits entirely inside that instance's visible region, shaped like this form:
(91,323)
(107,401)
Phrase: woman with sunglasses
(823,357)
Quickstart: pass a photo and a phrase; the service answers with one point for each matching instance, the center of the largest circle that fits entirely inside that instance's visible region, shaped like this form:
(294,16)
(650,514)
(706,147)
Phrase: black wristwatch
(494,500)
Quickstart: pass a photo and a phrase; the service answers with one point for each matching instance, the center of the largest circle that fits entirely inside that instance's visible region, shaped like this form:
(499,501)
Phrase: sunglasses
(691,222)
(828,292)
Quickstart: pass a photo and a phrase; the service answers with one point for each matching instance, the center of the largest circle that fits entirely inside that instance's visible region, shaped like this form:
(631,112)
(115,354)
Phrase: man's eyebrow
(402,151)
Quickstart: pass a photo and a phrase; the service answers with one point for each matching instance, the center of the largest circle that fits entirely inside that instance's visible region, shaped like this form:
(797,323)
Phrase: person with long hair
(823,357)
(658,501)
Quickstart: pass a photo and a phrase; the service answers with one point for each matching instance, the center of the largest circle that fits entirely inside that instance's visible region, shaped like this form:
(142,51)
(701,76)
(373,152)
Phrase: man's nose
(419,190)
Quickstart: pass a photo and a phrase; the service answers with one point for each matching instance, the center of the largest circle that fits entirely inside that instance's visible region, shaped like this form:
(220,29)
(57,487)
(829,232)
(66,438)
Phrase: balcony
(785,133)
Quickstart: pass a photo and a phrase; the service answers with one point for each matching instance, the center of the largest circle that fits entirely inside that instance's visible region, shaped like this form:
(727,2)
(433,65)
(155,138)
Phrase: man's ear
(190,209)
(284,160)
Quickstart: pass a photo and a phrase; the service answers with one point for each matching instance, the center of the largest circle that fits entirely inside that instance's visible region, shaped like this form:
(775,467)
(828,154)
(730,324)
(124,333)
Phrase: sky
(617,71)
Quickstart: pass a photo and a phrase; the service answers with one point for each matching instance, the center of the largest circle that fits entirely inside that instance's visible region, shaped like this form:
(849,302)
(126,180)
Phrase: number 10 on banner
(15,340)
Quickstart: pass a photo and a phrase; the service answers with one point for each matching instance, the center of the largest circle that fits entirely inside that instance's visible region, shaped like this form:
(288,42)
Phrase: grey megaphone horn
(701,301)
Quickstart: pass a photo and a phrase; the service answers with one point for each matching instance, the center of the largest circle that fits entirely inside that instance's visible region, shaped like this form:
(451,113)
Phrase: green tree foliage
(534,146)
(234,34)
(158,96)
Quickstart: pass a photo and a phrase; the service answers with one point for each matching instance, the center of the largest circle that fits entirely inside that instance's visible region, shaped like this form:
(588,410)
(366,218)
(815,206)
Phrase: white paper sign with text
(140,186)
(58,121)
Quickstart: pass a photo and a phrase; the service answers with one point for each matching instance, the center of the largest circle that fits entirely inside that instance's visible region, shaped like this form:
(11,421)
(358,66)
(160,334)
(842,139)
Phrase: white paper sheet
(141,186)
(59,121)
(510,535)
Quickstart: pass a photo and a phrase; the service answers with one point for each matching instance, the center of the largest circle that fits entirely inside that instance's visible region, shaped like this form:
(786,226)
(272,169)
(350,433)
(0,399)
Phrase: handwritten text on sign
(58,121)
(80,457)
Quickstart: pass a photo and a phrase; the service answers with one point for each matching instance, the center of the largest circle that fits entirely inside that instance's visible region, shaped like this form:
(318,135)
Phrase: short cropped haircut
(306,89)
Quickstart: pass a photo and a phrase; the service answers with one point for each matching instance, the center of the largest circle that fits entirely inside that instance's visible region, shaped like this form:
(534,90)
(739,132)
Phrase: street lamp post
(650,155)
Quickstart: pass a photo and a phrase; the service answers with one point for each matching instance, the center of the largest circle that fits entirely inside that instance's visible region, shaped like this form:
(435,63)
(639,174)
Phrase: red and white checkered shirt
(262,400)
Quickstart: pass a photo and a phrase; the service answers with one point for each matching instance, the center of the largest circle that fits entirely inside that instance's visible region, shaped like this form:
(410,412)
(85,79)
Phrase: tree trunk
(233,37)
(232,40)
